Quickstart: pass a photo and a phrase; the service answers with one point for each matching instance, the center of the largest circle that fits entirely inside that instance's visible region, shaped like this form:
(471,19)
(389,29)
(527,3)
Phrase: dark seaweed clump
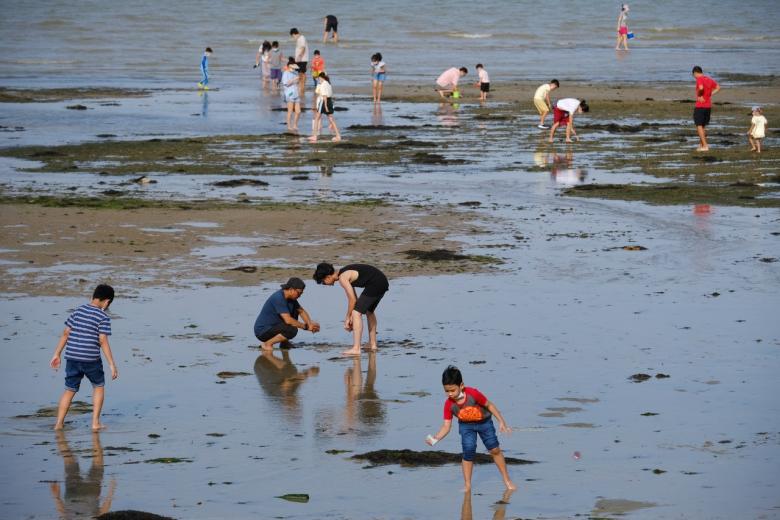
(131,515)
(411,458)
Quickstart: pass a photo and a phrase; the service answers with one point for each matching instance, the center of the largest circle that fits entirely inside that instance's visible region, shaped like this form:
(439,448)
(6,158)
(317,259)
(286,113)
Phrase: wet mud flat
(228,415)
(614,336)
(53,247)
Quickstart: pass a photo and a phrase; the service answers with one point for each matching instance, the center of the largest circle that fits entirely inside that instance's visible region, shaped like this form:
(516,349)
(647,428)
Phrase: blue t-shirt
(270,314)
(290,85)
(86,325)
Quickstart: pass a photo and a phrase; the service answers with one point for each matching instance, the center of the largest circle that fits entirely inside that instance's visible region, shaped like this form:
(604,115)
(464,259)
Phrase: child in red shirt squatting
(474,413)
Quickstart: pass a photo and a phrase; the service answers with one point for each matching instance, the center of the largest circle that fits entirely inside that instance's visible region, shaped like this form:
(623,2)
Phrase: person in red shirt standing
(706,87)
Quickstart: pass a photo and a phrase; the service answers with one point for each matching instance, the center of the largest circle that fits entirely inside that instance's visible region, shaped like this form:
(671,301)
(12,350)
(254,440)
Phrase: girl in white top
(757,130)
(324,92)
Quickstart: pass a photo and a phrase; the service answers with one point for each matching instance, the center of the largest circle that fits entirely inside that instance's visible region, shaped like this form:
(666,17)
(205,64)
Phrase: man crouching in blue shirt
(278,320)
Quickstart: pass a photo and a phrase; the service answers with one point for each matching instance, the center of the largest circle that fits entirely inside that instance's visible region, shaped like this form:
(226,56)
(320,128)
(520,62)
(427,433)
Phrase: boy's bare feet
(351,352)
(98,427)
(467,488)
(510,485)
(336,139)
(313,139)
(267,348)
(59,427)
(703,149)
(372,348)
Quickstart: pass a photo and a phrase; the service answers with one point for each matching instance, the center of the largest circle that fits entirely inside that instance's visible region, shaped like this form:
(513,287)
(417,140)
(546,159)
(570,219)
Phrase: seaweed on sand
(411,458)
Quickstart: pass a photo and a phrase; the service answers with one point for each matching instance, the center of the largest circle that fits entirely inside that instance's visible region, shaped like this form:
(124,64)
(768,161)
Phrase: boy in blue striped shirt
(86,334)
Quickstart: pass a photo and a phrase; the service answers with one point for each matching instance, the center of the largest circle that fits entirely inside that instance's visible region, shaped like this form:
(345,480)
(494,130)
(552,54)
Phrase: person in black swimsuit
(331,24)
(374,284)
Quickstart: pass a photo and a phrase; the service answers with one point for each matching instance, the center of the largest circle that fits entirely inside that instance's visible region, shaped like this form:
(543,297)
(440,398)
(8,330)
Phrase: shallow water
(82,42)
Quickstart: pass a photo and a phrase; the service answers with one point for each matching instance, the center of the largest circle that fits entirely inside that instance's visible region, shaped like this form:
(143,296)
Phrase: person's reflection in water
(376,115)
(82,494)
(448,114)
(499,508)
(280,379)
(204,109)
(326,170)
(563,171)
(364,410)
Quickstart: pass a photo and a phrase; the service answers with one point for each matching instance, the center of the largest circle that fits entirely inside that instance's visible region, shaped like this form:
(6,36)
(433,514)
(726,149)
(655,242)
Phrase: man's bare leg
(371,319)
(269,345)
(357,334)
(703,146)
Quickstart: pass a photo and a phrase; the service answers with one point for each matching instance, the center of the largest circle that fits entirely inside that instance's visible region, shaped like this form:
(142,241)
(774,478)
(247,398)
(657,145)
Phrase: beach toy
(455,94)
(630,36)
(576,455)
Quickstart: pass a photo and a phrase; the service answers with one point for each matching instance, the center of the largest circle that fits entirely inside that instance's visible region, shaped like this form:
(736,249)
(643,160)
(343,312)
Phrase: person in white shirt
(563,114)
(301,57)
(483,83)
(757,130)
(324,105)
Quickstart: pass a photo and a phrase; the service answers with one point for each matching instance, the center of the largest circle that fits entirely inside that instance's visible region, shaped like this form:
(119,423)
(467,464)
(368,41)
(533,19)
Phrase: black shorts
(484,87)
(301,66)
(332,25)
(701,116)
(366,303)
(326,107)
(288,331)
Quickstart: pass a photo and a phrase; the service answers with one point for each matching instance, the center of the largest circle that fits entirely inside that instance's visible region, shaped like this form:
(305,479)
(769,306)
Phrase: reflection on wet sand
(447,114)
(364,410)
(280,379)
(82,494)
(204,109)
(499,513)
(561,166)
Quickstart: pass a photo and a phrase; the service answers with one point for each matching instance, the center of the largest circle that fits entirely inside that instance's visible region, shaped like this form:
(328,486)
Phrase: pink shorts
(623,30)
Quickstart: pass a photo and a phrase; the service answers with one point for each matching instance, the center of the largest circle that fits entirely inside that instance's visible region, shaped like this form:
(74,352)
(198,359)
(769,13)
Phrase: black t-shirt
(369,277)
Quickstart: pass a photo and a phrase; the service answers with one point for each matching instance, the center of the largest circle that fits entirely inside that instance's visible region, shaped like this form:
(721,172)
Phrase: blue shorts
(76,370)
(379,76)
(276,73)
(468,437)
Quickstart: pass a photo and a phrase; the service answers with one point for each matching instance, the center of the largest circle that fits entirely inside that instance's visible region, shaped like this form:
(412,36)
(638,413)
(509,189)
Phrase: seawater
(140,43)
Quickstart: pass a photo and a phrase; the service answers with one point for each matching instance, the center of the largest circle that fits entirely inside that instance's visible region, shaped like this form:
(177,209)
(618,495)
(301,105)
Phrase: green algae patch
(167,460)
(671,194)
(301,498)
(447,255)
(76,408)
(411,458)
(50,95)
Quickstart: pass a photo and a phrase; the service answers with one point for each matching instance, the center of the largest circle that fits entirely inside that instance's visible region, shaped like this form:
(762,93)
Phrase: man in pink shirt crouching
(447,83)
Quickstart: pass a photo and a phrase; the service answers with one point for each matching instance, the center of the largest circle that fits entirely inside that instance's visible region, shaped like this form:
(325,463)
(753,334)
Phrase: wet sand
(60,251)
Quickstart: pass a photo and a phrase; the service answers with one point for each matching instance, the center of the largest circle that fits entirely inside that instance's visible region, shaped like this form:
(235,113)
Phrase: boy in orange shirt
(317,66)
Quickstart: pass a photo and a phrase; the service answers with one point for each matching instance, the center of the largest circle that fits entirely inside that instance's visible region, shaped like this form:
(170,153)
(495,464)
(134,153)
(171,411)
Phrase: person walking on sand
(378,71)
(301,58)
(278,321)
(275,62)
(542,100)
(706,87)
(757,129)
(324,105)
(85,336)
(563,114)
(374,284)
(331,24)
(290,85)
(447,82)
(475,417)
(204,69)
(622,28)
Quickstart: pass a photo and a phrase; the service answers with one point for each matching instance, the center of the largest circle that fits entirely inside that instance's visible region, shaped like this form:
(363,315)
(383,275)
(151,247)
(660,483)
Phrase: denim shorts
(76,370)
(468,437)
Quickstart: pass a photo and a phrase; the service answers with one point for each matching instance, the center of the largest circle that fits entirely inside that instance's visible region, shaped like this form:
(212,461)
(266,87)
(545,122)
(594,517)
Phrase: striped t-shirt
(86,324)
